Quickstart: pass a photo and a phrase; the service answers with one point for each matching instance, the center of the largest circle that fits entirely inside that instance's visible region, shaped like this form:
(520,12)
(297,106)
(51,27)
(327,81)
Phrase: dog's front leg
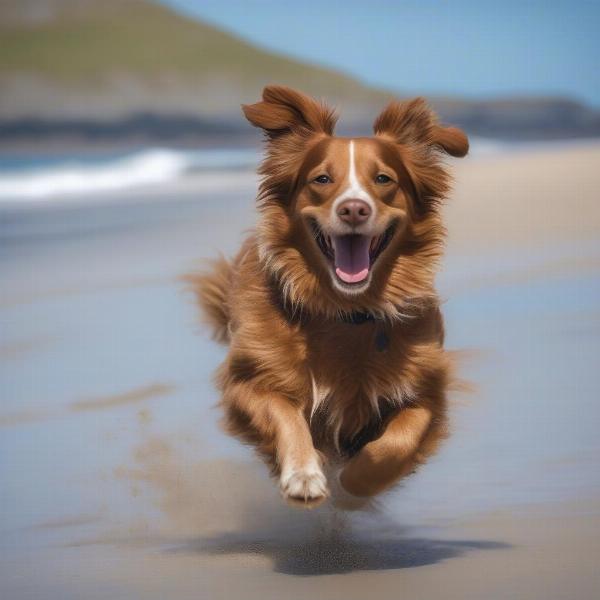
(279,430)
(409,436)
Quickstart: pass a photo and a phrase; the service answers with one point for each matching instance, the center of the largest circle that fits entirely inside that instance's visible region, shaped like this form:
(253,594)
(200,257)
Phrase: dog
(336,360)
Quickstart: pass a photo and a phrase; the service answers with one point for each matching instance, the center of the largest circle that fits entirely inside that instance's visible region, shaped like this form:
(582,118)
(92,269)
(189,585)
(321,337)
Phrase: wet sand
(116,481)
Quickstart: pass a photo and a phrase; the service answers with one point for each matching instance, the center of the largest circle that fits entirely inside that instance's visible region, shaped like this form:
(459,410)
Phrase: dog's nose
(354,212)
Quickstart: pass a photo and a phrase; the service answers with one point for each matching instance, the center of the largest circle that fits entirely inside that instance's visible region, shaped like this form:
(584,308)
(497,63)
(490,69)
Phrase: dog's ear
(284,110)
(414,122)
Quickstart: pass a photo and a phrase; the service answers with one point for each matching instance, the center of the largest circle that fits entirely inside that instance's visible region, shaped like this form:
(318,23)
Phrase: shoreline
(181,173)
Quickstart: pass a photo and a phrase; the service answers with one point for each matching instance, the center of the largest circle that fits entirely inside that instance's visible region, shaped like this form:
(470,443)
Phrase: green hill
(123,55)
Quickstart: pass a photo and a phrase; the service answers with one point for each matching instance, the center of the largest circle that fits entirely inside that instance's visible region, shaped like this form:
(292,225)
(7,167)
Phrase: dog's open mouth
(352,255)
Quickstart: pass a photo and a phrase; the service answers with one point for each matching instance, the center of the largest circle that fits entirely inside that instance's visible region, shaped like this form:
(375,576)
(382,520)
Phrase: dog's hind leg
(409,437)
(279,430)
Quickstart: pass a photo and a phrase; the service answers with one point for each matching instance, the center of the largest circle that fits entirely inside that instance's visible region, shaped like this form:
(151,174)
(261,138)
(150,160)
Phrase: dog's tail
(212,290)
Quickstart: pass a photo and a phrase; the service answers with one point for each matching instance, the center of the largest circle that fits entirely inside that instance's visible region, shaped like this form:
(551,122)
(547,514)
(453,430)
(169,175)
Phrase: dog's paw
(344,500)
(304,486)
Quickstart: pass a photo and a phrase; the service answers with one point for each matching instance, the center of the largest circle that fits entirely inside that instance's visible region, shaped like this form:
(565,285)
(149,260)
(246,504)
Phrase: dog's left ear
(284,110)
(414,122)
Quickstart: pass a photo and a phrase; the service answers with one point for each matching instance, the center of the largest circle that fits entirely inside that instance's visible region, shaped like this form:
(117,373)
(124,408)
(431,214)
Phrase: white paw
(304,486)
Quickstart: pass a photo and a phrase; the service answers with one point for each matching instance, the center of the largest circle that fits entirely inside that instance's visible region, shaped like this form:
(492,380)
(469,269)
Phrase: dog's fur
(322,370)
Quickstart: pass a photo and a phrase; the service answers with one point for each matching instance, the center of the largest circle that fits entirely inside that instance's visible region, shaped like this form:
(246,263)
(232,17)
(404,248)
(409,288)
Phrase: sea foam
(40,180)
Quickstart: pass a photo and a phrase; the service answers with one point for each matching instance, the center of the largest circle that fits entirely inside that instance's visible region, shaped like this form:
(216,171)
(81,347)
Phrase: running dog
(336,361)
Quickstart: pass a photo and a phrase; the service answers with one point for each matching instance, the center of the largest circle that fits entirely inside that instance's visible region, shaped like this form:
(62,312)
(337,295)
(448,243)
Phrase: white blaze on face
(354,191)
(351,252)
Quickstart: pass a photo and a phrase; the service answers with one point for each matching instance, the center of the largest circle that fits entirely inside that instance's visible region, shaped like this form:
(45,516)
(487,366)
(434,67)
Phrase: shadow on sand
(340,555)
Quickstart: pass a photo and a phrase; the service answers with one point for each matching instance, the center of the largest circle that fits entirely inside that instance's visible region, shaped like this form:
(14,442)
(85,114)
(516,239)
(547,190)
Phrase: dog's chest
(357,374)
(341,342)
(356,361)
(354,380)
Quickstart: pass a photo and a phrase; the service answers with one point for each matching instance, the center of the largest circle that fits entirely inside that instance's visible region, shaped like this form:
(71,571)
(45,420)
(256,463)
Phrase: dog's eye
(381,178)
(322,179)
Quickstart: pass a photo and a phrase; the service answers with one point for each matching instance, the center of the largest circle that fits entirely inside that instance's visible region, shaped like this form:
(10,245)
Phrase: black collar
(357,318)
(353,318)
(382,340)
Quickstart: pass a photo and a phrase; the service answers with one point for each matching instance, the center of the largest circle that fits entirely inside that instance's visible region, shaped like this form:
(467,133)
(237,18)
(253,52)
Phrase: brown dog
(334,329)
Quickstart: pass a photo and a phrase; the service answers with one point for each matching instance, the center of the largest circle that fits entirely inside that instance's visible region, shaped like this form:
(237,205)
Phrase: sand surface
(117,483)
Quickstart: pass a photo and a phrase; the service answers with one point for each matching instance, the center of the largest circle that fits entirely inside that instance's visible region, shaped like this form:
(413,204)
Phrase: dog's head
(351,223)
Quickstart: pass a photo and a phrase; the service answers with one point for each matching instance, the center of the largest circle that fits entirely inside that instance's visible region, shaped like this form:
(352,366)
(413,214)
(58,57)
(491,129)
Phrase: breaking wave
(41,179)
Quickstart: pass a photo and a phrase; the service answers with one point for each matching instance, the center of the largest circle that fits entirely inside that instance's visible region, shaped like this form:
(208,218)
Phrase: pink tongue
(351,257)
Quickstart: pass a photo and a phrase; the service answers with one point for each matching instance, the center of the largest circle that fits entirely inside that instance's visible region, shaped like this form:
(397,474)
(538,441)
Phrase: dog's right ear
(284,110)
(414,122)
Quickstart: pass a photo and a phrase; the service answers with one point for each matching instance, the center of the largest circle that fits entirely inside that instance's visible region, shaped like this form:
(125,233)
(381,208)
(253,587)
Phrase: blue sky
(466,48)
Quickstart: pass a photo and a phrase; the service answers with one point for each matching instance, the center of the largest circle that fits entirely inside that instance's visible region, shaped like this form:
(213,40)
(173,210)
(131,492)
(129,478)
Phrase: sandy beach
(118,483)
